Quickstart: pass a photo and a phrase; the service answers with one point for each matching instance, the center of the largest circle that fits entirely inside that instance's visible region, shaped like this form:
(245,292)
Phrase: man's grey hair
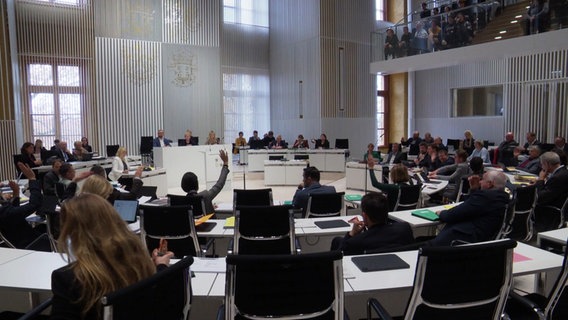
(499,179)
(550,158)
(531,148)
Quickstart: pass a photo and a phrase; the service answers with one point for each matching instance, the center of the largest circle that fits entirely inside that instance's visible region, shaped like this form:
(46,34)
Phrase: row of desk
(332,160)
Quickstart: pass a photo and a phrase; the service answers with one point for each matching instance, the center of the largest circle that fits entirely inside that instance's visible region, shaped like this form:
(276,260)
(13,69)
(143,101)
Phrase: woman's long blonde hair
(98,185)
(108,255)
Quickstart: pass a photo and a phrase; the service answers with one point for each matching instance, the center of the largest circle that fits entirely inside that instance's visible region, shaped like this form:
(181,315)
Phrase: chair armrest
(32,314)
(231,246)
(516,302)
(374,304)
(298,246)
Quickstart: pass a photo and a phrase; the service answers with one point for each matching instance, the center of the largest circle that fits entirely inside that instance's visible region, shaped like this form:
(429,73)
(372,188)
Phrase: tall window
(382,89)
(251,12)
(56,101)
(246,103)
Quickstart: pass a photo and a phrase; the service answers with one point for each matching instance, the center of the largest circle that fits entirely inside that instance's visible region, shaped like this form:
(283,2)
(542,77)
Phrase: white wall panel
(129,91)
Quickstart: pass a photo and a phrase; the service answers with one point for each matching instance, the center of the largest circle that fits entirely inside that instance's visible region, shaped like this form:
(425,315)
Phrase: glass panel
(477,102)
(229,15)
(381,137)
(71,127)
(70,104)
(380,83)
(40,75)
(68,76)
(42,103)
(380,104)
(43,124)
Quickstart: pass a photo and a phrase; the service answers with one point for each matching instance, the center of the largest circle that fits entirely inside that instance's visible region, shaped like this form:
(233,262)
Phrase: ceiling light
(499,37)
(502,31)
(514,21)
(518,17)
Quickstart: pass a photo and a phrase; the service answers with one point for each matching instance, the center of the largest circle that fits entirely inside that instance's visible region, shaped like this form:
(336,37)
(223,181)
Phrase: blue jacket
(301,197)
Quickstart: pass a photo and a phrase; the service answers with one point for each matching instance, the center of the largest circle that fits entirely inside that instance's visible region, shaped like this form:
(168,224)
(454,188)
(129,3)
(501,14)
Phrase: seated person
(301,142)
(79,153)
(552,190)
(62,152)
(531,141)
(506,150)
(27,156)
(212,138)
(438,142)
(188,139)
(161,140)
(85,144)
(375,231)
(190,184)
(51,178)
(322,142)
(69,179)
(105,256)
(310,185)
(240,141)
(412,143)
(532,163)
(479,151)
(480,216)
(445,159)
(395,156)
(278,143)
(432,162)
(372,153)
(428,138)
(398,176)
(13,224)
(97,183)
(254,140)
(453,173)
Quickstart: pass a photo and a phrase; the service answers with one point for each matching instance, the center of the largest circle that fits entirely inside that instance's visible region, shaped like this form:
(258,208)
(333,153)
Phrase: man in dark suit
(309,185)
(63,153)
(161,140)
(51,178)
(480,216)
(507,149)
(412,143)
(560,144)
(13,224)
(552,188)
(374,232)
(396,155)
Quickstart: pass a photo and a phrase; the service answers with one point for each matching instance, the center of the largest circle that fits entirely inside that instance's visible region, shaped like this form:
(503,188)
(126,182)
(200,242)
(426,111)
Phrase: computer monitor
(454,143)
(146,145)
(257,144)
(341,143)
(111,150)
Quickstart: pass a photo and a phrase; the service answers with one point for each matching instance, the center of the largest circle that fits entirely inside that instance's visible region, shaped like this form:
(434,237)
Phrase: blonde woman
(104,256)
(119,165)
(467,144)
(212,138)
(98,185)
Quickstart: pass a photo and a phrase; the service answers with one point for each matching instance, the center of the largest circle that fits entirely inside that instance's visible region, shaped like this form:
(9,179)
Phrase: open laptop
(149,191)
(127,209)
(425,179)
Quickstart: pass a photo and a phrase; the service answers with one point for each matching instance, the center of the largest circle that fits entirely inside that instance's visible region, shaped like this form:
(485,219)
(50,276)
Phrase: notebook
(379,263)
(331,224)
(353,197)
(127,209)
(426,214)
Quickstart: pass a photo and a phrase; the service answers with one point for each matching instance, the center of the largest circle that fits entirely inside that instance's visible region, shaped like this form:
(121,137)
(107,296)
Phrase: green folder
(353,197)
(287,202)
(426,214)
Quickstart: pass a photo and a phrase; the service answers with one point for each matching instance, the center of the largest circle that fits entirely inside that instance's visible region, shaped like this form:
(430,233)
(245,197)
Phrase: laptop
(425,179)
(149,191)
(87,156)
(127,209)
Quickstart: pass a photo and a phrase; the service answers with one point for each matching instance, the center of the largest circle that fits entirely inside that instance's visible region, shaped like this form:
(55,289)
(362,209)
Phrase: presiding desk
(278,172)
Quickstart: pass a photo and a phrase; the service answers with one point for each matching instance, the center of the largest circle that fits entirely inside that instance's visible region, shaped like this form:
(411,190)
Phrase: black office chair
(536,306)
(264,230)
(306,286)
(173,223)
(521,228)
(60,191)
(252,197)
(111,150)
(463,189)
(508,218)
(325,205)
(341,143)
(198,210)
(165,295)
(408,197)
(465,282)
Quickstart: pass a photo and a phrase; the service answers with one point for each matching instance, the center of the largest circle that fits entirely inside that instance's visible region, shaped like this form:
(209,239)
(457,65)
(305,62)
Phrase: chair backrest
(325,204)
(341,143)
(178,200)
(508,217)
(165,295)
(463,189)
(173,223)
(558,287)
(111,150)
(252,197)
(52,222)
(408,197)
(278,286)
(264,230)
(465,282)
(522,224)
(60,191)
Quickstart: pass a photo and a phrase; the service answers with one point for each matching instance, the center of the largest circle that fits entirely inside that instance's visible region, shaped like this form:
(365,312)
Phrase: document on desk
(213,265)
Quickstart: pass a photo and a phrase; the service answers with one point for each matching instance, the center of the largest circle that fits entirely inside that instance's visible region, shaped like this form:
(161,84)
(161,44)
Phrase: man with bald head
(552,188)
(507,149)
(412,143)
(480,216)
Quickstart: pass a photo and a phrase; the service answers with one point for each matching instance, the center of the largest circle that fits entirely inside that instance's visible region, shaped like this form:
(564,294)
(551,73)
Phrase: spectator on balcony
(425,13)
(436,17)
(404,43)
(435,36)
(465,30)
(391,44)
(420,39)
(451,34)
(537,17)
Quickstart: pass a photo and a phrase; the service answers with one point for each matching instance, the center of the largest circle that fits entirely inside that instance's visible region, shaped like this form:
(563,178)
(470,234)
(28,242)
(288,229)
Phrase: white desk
(283,172)
(332,160)
(9,254)
(30,272)
(555,239)
(156,177)
(356,175)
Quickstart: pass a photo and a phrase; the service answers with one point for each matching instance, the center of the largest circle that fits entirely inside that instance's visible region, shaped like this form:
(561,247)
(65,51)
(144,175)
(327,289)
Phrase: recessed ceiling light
(503,31)
(499,37)
(518,17)
(514,21)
